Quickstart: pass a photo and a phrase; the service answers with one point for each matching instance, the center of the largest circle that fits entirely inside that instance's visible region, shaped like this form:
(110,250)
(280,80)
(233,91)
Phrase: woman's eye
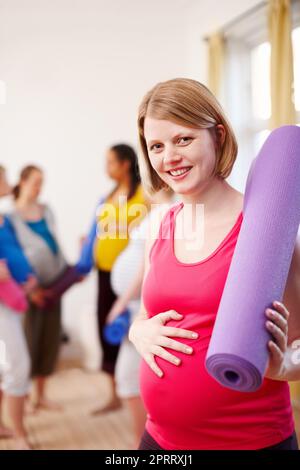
(184,140)
(155,147)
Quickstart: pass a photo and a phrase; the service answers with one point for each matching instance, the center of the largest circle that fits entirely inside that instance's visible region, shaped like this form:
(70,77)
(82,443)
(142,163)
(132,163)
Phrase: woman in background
(16,278)
(122,208)
(127,277)
(35,229)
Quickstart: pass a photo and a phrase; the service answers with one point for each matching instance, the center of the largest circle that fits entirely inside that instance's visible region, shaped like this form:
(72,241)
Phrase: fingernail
(177,361)
(195,335)
(269,324)
(189,350)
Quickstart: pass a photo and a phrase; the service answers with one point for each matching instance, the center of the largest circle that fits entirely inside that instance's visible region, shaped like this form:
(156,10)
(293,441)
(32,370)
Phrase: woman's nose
(171,155)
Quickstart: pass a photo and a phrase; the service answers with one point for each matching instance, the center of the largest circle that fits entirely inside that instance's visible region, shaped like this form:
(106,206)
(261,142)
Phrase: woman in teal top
(35,228)
(41,228)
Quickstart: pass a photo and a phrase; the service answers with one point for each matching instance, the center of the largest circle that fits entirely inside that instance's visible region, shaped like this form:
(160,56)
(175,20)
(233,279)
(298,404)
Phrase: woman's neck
(124,186)
(213,196)
(25,203)
(163,197)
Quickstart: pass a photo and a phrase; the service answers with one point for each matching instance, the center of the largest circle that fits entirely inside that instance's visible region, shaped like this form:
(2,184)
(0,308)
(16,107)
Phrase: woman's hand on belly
(150,336)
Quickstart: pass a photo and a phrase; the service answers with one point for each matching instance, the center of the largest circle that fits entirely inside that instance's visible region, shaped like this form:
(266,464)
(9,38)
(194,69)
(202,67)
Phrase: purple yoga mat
(237,356)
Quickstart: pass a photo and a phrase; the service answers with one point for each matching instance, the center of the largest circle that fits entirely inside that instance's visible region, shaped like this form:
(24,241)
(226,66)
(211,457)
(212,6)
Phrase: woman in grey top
(34,226)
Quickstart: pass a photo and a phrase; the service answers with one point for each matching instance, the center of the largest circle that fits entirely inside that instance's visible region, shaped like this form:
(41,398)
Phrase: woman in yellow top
(122,209)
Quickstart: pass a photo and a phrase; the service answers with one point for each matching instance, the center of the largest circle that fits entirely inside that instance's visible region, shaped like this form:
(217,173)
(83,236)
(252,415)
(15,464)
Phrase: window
(296,50)
(260,87)
(247,98)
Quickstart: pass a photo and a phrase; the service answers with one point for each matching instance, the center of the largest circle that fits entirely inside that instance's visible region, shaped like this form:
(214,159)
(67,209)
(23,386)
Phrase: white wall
(205,18)
(75,72)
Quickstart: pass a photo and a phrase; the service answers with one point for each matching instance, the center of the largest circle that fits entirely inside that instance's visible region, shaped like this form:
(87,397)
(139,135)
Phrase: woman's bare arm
(291,300)
(133,292)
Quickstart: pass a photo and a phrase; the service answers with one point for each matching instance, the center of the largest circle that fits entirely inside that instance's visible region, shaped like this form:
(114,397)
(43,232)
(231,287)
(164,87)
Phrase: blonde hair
(189,103)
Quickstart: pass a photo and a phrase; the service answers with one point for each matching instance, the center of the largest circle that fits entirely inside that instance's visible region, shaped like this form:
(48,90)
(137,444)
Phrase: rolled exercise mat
(55,290)
(115,331)
(13,296)
(237,356)
(86,259)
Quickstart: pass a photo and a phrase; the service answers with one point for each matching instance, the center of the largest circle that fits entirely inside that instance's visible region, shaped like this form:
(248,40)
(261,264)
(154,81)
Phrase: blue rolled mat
(114,332)
(85,262)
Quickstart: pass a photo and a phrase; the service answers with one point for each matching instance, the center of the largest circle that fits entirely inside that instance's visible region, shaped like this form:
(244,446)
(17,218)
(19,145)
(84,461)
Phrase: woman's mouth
(179,173)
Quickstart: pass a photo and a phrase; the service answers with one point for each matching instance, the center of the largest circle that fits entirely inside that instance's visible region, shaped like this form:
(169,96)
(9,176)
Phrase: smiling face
(183,157)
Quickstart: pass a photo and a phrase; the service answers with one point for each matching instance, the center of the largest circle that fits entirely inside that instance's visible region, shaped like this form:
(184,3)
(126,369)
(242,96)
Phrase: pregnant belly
(188,408)
(185,393)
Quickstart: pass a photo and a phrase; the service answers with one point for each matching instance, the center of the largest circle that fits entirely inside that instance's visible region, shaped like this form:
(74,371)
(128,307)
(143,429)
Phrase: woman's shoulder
(46,210)
(235,205)
(239,204)
(48,215)
(44,207)
(39,211)
(5,220)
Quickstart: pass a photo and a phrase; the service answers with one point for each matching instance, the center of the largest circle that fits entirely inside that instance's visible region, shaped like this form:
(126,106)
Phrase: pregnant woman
(188,145)
(127,278)
(117,213)
(35,228)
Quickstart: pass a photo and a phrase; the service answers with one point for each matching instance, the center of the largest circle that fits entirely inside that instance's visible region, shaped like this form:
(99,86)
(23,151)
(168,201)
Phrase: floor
(79,393)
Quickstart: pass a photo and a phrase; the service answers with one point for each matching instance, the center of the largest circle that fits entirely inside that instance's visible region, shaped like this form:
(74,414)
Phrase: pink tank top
(187,408)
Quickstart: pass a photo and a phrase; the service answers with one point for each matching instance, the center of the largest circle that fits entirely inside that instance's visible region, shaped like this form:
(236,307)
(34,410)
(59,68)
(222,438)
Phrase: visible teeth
(179,172)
